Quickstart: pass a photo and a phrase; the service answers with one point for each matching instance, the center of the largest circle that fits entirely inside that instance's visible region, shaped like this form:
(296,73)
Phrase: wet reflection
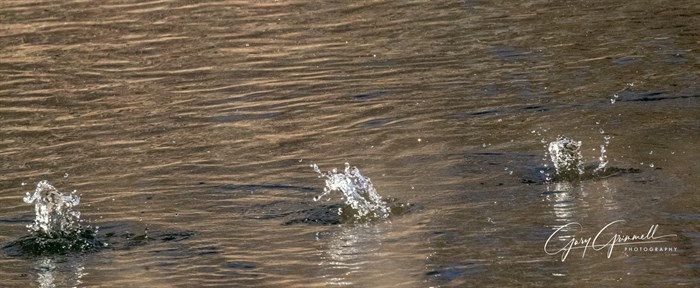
(66,272)
(608,193)
(348,252)
(563,197)
(593,202)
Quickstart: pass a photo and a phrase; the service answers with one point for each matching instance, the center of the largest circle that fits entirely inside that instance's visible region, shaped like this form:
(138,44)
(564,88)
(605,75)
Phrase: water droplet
(614,99)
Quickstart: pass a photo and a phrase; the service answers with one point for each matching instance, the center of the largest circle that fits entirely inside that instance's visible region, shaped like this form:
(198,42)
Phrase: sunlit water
(188,129)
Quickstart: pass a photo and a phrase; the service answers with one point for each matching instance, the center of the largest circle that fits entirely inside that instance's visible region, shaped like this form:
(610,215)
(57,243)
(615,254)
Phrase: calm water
(196,124)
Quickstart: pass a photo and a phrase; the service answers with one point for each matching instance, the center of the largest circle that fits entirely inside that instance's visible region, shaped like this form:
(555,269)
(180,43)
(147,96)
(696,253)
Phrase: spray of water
(357,190)
(56,228)
(603,159)
(565,154)
(54,211)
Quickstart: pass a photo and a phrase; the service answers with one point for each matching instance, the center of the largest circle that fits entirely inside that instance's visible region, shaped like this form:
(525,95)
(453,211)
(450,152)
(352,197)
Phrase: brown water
(196,122)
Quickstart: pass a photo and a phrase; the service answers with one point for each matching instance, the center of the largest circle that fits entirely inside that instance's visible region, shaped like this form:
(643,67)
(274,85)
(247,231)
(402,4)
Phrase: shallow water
(195,123)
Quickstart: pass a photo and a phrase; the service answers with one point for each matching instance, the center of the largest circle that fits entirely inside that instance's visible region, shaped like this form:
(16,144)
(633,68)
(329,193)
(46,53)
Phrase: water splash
(565,154)
(358,192)
(54,211)
(603,159)
(57,226)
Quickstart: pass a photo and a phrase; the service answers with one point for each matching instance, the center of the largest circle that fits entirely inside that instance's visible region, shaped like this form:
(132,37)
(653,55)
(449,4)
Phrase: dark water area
(188,129)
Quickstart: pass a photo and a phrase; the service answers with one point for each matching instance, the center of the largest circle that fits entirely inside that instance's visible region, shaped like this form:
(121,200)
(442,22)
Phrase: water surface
(196,122)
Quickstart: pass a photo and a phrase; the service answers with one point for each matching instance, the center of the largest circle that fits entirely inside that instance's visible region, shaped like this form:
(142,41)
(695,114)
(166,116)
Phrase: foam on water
(357,190)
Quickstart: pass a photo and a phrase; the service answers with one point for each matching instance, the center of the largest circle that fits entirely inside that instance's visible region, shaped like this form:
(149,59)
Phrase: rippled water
(188,129)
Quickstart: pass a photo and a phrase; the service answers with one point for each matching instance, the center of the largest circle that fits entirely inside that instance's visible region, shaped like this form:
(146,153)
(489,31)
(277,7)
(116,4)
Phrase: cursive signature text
(599,241)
